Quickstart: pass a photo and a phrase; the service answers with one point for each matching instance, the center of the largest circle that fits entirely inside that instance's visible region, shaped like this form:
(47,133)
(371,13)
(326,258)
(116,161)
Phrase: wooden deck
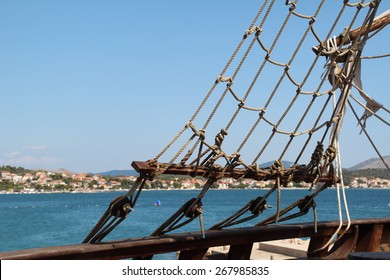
(371,235)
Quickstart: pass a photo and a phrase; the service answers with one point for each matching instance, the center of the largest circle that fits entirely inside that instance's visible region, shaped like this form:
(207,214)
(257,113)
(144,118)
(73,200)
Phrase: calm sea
(39,220)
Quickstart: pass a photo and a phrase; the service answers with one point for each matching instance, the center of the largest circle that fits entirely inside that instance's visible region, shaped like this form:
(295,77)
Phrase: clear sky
(91,85)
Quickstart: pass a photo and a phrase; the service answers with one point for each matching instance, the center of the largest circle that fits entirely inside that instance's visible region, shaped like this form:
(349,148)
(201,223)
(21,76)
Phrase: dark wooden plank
(345,245)
(195,254)
(386,234)
(370,238)
(240,252)
(317,248)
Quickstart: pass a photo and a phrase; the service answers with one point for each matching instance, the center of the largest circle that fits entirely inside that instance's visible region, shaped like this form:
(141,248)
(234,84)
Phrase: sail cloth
(372,106)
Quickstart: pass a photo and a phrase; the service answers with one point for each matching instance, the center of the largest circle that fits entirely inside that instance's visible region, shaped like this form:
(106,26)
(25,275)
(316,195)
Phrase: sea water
(40,220)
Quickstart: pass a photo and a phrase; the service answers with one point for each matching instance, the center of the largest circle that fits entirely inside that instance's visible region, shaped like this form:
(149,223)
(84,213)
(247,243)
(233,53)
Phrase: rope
(315,218)
(368,137)
(339,170)
(335,138)
(201,224)
(258,29)
(341,70)
(344,196)
(372,106)
(255,206)
(375,56)
(191,209)
(370,111)
(213,87)
(117,212)
(278,202)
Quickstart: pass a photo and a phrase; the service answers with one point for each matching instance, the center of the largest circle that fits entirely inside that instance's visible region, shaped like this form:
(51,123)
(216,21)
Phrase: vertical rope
(368,136)
(279,199)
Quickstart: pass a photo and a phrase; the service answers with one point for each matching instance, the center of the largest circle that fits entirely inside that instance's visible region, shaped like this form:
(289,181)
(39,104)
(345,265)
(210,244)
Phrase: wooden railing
(371,235)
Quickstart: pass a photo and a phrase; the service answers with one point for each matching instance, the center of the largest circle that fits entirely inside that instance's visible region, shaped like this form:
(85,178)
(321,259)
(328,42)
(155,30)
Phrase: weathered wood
(240,252)
(195,254)
(385,241)
(379,22)
(145,167)
(370,239)
(262,174)
(344,246)
(137,247)
(317,246)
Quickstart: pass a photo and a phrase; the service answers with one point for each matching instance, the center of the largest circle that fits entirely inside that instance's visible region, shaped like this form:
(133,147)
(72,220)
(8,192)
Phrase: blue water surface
(40,220)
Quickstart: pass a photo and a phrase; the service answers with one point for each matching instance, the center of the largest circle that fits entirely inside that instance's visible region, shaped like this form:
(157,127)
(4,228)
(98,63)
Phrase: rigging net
(274,100)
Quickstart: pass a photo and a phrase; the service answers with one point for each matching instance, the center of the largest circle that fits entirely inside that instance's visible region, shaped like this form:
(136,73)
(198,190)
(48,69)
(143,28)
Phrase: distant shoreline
(147,190)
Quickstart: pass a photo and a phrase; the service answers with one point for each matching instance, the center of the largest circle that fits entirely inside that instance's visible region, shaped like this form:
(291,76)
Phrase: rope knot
(251,30)
(315,167)
(261,113)
(276,167)
(293,6)
(253,168)
(236,157)
(121,207)
(330,154)
(193,208)
(222,79)
(344,36)
(234,160)
(220,137)
(317,154)
(306,203)
(189,124)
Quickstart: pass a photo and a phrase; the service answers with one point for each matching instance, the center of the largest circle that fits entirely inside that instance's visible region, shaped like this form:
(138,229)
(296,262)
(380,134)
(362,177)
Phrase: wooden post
(240,252)
(315,245)
(196,254)
(370,239)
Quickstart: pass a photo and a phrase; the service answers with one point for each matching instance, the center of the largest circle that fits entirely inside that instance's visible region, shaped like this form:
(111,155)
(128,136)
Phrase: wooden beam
(262,174)
(379,22)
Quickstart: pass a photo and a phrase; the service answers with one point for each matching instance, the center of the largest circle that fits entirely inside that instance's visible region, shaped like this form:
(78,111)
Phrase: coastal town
(20,180)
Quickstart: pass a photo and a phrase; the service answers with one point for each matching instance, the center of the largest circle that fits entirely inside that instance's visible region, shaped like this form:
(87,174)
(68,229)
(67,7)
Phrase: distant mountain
(113,173)
(372,163)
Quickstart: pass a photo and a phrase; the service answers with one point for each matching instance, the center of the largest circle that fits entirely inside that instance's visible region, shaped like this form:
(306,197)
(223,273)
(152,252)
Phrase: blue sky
(91,86)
